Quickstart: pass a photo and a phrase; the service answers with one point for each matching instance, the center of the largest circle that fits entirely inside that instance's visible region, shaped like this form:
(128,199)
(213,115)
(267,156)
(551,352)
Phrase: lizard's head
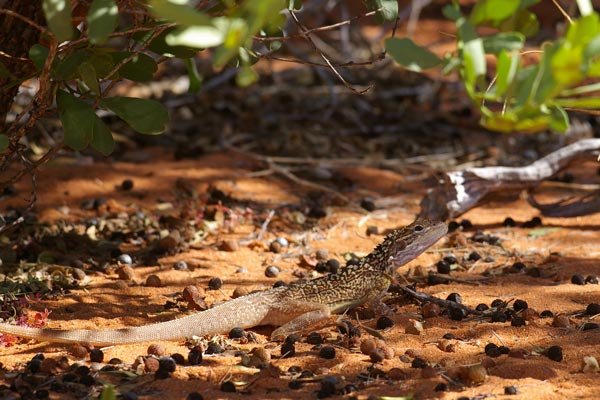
(402,245)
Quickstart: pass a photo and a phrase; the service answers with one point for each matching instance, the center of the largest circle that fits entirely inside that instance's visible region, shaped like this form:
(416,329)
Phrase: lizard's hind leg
(302,323)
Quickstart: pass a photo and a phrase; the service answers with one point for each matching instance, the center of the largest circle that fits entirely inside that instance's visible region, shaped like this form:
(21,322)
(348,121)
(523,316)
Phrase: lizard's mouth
(420,244)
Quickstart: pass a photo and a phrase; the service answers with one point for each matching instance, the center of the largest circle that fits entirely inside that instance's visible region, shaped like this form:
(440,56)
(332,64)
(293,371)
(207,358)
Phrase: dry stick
(307,36)
(423,297)
(319,29)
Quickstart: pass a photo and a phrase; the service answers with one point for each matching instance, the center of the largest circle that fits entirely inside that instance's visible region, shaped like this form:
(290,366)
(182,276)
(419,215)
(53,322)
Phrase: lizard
(293,308)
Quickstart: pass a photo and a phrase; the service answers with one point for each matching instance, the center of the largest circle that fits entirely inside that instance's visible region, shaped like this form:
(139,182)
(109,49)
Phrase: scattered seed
(228,387)
(474,256)
(443,267)
(520,305)
(497,303)
(195,356)
(215,283)
(592,309)
(546,314)
(555,353)
(96,355)
(466,224)
(578,279)
(288,349)
(588,326)
(534,272)
(455,297)
(213,348)
(153,281)
(279,283)
(368,204)
(333,266)
(322,254)
(430,310)
(482,307)
(282,241)
(418,362)
(376,355)
(156,350)
(509,222)
(151,364)
(372,230)
(452,226)
(194,396)
(295,384)
(237,333)
(441,387)
(327,387)
(592,279)
(275,247)
(178,358)
(271,271)
(561,321)
(532,223)
(384,323)
(492,350)
(327,352)
(127,184)
(499,317)
(457,313)
(314,338)
(511,390)
(518,321)
(240,291)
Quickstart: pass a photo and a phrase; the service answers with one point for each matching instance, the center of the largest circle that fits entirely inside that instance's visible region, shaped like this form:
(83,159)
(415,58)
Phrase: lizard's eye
(418,228)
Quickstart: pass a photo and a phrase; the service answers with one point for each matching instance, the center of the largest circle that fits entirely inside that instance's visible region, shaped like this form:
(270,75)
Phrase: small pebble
(327,352)
(78,351)
(213,348)
(151,364)
(546,314)
(167,364)
(282,241)
(414,328)
(333,266)
(96,355)
(561,321)
(229,245)
(418,362)
(271,271)
(518,321)
(443,267)
(192,293)
(455,297)
(178,358)
(492,350)
(430,310)
(125,259)
(367,346)
(153,281)
(589,364)
(520,305)
(180,265)
(215,283)
(377,356)
(125,273)
(482,307)
(240,291)
(457,313)
(466,224)
(476,374)
(592,279)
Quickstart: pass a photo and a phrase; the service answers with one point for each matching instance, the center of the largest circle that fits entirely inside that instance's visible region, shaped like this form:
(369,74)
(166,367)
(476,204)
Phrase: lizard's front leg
(304,322)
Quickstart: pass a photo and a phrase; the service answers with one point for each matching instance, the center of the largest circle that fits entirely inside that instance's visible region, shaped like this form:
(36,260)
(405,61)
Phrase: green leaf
(592,49)
(87,73)
(493,11)
(58,17)
(77,118)
(524,84)
(582,102)
(143,115)
(103,62)
(294,4)
(246,76)
(179,13)
(566,63)
(507,68)
(387,9)
(199,37)
(194,75)
(411,56)
(108,392)
(583,30)
(140,69)
(102,139)
(523,21)
(559,120)
(504,123)
(67,69)
(102,20)
(38,54)
(4,142)
(472,52)
(503,41)
(542,231)
(452,11)
(160,46)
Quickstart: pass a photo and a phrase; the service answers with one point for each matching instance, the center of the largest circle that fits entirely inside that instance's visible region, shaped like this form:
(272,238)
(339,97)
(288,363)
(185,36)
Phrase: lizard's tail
(243,312)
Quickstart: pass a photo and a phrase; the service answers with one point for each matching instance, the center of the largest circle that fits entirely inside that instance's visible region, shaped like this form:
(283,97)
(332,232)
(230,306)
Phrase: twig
(423,297)
(335,71)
